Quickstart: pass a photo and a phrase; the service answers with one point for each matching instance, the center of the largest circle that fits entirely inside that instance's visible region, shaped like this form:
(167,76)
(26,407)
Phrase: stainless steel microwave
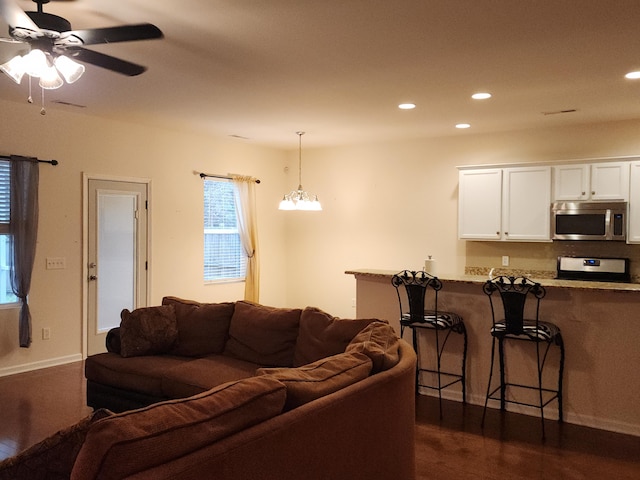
(589,220)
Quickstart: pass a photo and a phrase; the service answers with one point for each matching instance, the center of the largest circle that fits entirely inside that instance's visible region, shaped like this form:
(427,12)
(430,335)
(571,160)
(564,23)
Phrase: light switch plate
(56,263)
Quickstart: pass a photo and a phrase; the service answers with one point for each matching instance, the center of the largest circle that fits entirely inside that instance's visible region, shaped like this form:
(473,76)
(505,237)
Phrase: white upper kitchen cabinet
(480,204)
(597,181)
(508,204)
(633,225)
(526,206)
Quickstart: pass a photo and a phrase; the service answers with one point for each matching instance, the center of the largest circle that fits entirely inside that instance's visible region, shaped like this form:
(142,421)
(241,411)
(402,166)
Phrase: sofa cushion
(322,335)
(202,327)
(53,457)
(199,375)
(263,335)
(379,342)
(320,378)
(138,374)
(133,441)
(147,331)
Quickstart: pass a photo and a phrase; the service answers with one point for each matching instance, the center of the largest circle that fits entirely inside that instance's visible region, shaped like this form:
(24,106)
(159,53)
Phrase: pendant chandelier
(299,199)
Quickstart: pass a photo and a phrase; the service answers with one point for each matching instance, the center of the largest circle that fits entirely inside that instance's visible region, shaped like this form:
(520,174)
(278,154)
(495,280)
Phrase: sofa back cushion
(323,335)
(137,440)
(263,335)
(320,378)
(53,457)
(380,343)
(148,331)
(203,328)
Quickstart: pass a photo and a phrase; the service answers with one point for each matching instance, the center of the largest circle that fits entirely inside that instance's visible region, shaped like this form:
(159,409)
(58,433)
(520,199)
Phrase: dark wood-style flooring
(36,404)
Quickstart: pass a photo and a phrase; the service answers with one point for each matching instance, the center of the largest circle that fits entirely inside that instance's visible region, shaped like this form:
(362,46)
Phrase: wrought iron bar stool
(416,317)
(514,292)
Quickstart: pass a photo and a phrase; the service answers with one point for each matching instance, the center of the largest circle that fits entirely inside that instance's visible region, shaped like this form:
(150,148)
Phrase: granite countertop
(479,279)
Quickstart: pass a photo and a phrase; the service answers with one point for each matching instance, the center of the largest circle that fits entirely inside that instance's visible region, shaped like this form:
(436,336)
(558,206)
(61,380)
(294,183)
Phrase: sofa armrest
(113,340)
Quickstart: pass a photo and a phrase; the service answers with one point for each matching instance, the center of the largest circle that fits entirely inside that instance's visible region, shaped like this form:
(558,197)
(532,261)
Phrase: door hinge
(146,204)
(146,265)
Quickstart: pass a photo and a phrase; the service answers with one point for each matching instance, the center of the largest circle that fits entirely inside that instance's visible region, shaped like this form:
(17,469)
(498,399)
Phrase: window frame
(236,255)
(5,228)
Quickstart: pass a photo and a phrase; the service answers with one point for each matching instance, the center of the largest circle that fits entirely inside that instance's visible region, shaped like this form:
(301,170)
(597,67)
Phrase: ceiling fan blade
(15,16)
(124,33)
(106,61)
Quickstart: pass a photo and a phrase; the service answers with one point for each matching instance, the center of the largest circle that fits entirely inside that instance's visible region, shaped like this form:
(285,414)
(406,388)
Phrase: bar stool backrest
(514,292)
(416,285)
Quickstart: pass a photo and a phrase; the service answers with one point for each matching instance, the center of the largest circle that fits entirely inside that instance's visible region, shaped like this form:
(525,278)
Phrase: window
(224,257)
(6,292)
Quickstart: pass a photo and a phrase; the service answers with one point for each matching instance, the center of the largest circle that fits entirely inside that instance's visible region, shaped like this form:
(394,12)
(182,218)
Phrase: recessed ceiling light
(407,106)
(633,75)
(481,96)
(463,125)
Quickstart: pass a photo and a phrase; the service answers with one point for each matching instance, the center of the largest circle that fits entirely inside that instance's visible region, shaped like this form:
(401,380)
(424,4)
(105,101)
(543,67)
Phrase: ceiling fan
(55,47)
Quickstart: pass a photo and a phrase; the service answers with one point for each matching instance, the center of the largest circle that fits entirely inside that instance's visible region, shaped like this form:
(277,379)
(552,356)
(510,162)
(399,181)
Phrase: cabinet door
(570,183)
(526,206)
(479,204)
(633,225)
(610,181)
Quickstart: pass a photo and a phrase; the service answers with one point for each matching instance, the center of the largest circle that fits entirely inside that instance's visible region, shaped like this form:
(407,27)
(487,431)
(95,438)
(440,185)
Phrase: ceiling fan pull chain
(42,110)
(30,98)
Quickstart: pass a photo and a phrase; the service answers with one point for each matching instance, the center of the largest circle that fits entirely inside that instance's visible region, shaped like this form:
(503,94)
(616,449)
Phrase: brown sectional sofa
(239,391)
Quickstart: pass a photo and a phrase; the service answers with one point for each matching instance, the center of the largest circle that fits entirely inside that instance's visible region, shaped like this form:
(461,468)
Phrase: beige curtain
(245,197)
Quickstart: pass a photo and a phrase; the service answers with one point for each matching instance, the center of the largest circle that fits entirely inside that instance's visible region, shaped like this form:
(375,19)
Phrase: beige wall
(86,145)
(386,205)
(390,204)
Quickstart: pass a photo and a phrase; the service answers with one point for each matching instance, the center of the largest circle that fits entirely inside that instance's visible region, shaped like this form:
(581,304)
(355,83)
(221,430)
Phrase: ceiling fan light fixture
(70,69)
(14,68)
(50,79)
(35,63)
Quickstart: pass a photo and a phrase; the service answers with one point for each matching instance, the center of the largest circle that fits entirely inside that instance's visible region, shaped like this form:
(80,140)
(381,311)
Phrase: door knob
(93,277)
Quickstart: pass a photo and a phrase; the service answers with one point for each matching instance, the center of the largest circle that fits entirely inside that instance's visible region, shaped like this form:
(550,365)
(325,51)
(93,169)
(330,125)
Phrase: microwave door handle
(607,225)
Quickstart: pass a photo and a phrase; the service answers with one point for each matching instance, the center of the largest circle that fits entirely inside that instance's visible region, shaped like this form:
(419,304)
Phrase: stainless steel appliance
(594,268)
(589,220)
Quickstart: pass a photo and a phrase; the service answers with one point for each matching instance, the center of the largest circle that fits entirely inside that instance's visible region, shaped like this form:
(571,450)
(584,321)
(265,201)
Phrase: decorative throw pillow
(322,335)
(147,331)
(320,378)
(53,457)
(203,328)
(137,440)
(263,335)
(380,343)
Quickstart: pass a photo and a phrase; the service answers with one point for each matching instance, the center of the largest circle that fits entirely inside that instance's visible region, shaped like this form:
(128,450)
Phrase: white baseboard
(29,367)
(550,413)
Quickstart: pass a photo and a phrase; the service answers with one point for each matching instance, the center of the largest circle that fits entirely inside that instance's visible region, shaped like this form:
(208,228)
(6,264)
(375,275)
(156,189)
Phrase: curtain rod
(226,177)
(51,162)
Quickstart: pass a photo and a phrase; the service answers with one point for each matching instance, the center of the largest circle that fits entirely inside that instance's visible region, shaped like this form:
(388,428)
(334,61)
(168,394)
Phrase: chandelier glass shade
(299,199)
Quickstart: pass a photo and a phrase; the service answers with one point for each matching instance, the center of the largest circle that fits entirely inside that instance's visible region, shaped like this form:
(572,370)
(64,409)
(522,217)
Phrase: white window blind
(6,293)
(5,195)
(224,257)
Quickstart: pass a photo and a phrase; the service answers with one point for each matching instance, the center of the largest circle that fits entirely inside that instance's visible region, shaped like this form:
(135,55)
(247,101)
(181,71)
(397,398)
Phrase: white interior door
(117,254)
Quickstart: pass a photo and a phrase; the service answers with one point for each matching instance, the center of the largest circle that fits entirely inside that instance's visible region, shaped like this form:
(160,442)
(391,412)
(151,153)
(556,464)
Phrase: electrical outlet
(505,260)
(46,333)
(56,263)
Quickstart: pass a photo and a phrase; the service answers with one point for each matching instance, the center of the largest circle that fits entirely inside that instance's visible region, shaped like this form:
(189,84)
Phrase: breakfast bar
(600,324)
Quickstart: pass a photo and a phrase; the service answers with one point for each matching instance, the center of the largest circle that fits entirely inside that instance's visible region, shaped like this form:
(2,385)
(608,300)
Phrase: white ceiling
(263,69)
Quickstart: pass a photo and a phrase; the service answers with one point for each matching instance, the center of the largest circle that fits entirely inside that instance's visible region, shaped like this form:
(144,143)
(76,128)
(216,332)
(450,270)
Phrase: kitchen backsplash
(539,260)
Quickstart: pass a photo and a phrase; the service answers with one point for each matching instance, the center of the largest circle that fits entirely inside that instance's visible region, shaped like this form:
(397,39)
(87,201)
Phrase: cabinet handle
(584,193)
(593,192)
(497,233)
(506,233)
